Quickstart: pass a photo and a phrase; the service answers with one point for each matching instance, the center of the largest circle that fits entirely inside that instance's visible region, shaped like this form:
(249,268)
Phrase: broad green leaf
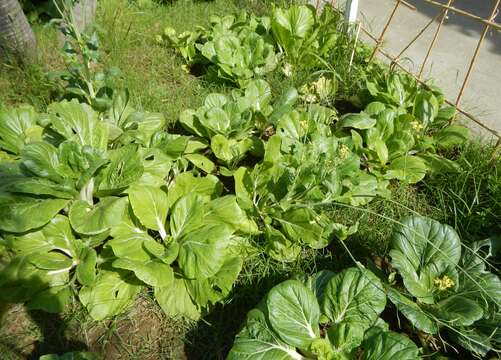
(357,121)
(20,214)
(458,310)
(124,169)
(306,226)
(86,268)
(294,313)
(151,272)
(56,235)
(317,282)
(279,247)
(354,296)
(175,300)
(388,345)
(218,286)
(412,312)
(423,251)
(258,341)
(410,169)
(426,107)
(225,210)
(187,215)
(92,220)
(78,122)
(202,251)
(150,205)
(52,300)
(54,261)
(18,127)
(131,246)
(208,187)
(110,295)
(291,26)
(451,136)
(345,337)
(201,162)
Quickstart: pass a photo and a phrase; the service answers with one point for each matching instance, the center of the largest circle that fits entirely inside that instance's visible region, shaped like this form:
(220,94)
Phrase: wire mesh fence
(430,44)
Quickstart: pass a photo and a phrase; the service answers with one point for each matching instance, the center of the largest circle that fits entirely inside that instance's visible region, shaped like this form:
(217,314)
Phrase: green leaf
(225,210)
(412,312)
(317,282)
(357,121)
(426,107)
(52,300)
(451,136)
(150,205)
(18,127)
(201,162)
(20,214)
(354,296)
(258,341)
(152,272)
(306,226)
(175,300)
(78,122)
(110,295)
(294,313)
(56,235)
(208,187)
(124,169)
(388,345)
(279,247)
(54,261)
(458,311)
(187,215)
(424,250)
(410,169)
(132,246)
(86,268)
(92,220)
(202,251)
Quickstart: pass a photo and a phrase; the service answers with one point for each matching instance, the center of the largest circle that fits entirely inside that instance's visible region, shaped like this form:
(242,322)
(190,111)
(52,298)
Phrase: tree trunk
(84,12)
(16,35)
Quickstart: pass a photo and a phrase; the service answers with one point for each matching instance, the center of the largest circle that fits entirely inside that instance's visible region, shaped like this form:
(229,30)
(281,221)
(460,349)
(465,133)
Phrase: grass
(469,201)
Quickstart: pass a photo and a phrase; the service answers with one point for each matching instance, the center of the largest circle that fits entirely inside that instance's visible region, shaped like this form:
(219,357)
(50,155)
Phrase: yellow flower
(344,151)
(287,69)
(443,283)
(416,125)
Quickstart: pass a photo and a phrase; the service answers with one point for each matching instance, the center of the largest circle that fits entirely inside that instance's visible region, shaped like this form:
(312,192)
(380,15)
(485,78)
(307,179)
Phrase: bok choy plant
(324,316)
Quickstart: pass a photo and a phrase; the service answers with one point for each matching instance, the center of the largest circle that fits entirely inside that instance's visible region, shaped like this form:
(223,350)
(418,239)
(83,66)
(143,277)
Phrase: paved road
(452,53)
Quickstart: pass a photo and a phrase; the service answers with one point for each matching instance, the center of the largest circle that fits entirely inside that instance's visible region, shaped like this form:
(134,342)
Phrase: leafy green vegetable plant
(448,289)
(82,79)
(84,203)
(236,49)
(402,129)
(323,316)
(304,36)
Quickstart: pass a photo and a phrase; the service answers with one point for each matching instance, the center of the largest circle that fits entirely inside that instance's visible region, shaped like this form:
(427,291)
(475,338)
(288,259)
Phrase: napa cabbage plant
(236,49)
(323,316)
(449,289)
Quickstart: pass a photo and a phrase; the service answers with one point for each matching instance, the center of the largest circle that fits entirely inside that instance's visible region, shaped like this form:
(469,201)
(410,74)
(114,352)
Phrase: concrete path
(449,61)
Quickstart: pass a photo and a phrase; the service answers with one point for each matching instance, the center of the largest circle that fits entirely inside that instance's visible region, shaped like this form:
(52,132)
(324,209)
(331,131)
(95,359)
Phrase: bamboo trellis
(489,23)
